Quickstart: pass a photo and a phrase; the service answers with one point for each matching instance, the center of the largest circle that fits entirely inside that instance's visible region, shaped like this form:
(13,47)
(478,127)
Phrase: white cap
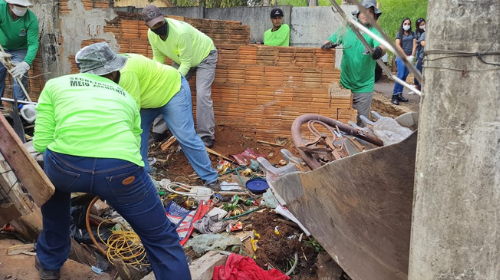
(24,3)
(28,112)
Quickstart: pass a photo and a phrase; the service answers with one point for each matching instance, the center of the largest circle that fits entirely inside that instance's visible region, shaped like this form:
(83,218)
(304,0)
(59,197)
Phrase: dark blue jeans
(403,72)
(17,56)
(129,190)
(419,68)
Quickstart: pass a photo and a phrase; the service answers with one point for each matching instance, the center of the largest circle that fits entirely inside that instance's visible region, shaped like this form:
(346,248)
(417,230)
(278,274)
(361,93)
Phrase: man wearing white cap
(19,39)
(190,50)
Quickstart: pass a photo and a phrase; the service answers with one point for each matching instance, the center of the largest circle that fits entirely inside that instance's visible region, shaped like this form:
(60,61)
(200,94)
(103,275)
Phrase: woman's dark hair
(417,26)
(401,30)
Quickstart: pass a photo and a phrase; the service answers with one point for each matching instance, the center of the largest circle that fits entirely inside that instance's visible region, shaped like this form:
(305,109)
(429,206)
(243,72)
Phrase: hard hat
(24,3)
(368,4)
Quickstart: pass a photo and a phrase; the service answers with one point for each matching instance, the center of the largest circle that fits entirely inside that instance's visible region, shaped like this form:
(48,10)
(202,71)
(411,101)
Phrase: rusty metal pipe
(298,140)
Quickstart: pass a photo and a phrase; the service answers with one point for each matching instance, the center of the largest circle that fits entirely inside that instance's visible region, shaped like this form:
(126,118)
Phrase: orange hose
(87,223)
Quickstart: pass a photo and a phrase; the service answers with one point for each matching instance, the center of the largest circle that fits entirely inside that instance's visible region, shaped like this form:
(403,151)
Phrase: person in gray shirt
(420,34)
(406,41)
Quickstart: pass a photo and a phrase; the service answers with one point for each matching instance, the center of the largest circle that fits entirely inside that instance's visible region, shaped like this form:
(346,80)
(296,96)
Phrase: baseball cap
(99,59)
(24,3)
(152,15)
(276,12)
(368,4)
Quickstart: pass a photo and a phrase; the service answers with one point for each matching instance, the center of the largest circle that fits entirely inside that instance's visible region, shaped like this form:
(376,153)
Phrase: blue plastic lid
(257,185)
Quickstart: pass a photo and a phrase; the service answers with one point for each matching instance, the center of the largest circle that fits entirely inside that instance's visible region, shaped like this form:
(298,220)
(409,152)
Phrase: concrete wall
(309,26)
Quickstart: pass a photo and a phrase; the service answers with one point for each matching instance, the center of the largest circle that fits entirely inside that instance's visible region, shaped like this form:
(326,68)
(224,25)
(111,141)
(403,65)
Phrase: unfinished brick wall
(258,90)
(261,90)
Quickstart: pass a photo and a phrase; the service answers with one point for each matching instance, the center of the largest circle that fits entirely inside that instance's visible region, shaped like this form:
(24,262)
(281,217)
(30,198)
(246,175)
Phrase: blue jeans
(402,74)
(419,68)
(178,114)
(17,56)
(129,190)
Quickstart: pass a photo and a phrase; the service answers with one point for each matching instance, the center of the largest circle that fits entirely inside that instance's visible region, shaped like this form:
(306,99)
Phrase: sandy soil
(22,267)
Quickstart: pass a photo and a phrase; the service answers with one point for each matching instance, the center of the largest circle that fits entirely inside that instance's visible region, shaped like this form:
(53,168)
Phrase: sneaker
(215,185)
(46,274)
(208,141)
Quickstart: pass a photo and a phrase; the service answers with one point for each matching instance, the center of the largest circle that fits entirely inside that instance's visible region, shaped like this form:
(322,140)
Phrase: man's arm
(185,49)
(157,54)
(45,125)
(33,42)
(130,83)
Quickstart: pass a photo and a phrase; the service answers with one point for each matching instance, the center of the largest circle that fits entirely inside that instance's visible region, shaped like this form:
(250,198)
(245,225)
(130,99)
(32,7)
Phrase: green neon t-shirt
(357,66)
(88,116)
(280,37)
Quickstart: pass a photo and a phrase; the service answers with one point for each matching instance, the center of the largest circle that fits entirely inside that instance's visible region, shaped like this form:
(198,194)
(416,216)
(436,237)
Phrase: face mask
(117,79)
(160,31)
(406,27)
(422,27)
(19,11)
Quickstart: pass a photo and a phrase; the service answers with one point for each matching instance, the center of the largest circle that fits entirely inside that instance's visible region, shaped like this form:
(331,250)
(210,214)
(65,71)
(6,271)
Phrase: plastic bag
(390,131)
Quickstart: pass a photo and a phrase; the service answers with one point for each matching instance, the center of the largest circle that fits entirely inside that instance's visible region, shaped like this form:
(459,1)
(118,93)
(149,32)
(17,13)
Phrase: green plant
(315,244)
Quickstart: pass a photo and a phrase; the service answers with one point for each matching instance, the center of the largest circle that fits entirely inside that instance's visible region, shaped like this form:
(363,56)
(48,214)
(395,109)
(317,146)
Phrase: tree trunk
(455,230)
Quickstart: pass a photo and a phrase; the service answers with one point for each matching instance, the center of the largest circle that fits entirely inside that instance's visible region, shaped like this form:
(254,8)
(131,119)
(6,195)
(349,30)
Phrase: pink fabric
(245,157)
(238,267)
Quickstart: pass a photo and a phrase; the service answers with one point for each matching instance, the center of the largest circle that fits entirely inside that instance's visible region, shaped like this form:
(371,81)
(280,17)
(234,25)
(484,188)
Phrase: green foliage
(236,3)
(315,244)
(394,11)
(209,3)
(301,3)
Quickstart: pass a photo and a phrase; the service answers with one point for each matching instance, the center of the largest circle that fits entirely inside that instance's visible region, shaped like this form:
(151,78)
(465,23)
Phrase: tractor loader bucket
(359,208)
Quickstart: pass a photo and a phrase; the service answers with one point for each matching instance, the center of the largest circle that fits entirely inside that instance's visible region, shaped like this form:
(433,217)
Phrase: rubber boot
(401,98)
(395,99)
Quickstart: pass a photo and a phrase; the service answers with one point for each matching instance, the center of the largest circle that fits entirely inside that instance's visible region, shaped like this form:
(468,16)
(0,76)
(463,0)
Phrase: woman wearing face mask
(420,35)
(407,43)
(19,38)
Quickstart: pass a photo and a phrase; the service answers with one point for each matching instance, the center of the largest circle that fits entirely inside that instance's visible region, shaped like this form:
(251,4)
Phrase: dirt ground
(275,250)
(22,267)
(173,164)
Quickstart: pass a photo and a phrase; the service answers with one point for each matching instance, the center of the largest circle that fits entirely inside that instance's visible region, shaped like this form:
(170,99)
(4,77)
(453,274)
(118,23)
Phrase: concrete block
(202,268)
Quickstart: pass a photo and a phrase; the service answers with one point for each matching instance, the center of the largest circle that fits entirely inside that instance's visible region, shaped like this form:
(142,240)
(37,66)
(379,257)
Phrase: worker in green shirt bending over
(191,50)
(358,66)
(88,128)
(160,89)
(279,35)
(19,39)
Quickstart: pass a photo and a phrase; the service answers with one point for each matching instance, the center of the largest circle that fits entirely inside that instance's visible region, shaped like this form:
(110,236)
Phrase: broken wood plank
(28,227)
(217,154)
(270,143)
(82,254)
(8,212)
(24,166)
(11,190)
(126,271)
(20,249)
(165,145)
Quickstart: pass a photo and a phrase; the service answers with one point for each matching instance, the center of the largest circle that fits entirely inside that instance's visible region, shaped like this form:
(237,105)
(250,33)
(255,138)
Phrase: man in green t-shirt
(19,39)
(358,66)
(279,35)
(191,50)
(88,128)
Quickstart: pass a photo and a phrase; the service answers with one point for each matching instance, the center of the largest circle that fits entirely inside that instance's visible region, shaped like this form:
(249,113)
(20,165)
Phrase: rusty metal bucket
(359,207)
